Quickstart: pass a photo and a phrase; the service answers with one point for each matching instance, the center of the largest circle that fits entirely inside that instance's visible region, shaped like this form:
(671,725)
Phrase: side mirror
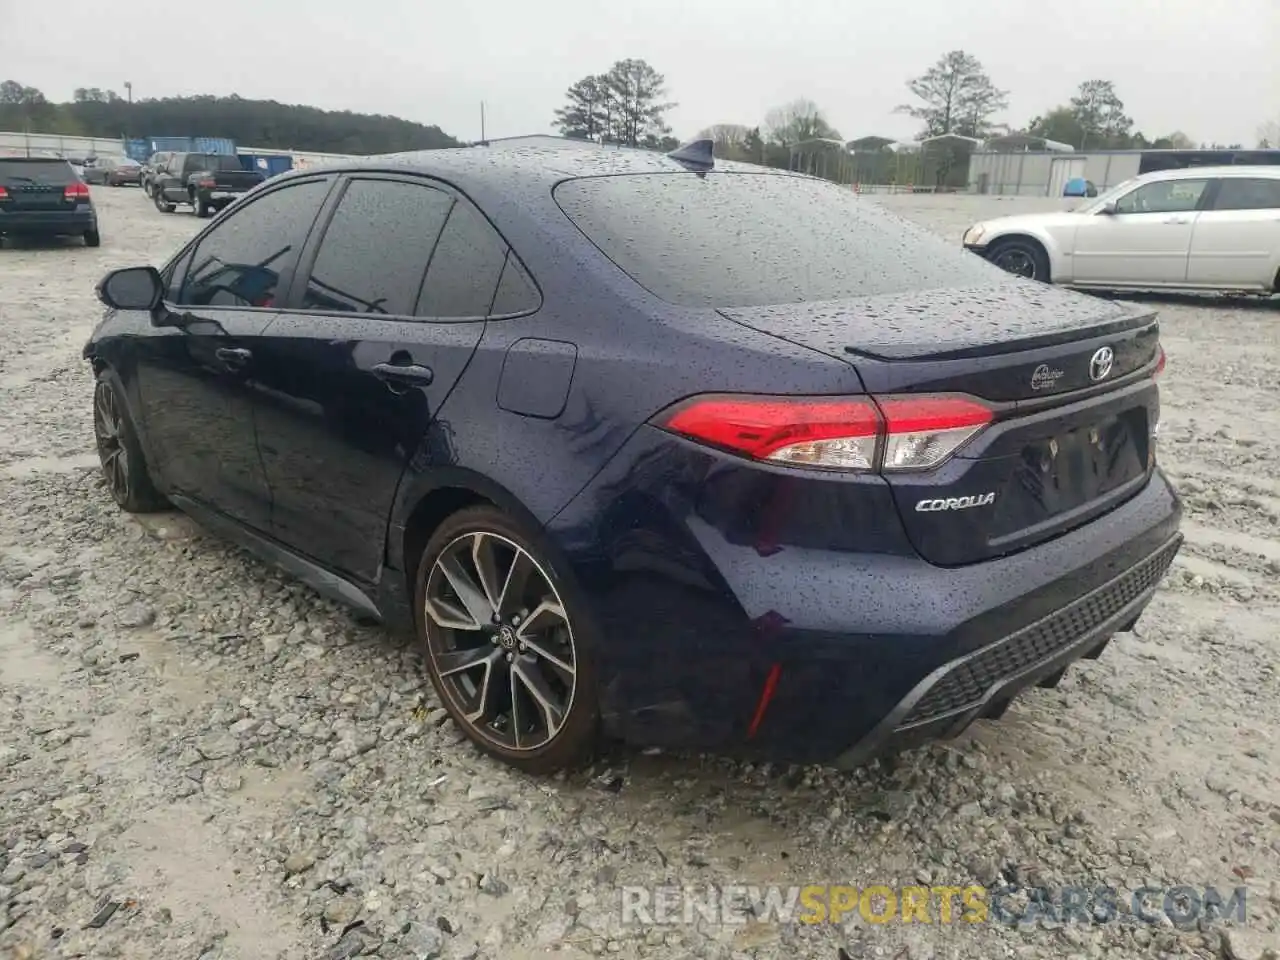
(1109,208)
(131,288)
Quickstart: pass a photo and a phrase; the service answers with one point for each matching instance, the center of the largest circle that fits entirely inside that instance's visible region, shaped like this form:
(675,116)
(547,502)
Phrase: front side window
(1248,193)
(376,248)
(1163,196)
(240,261)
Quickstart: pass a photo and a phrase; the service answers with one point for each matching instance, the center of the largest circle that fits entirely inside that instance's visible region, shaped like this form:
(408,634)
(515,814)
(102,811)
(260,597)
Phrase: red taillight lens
(76,191)
(833,433)
(815,431)
(4,194)
(207,184)
(1160,360)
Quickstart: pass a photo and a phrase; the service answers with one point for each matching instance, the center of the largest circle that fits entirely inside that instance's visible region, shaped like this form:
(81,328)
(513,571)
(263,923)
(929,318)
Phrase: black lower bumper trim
(944,703)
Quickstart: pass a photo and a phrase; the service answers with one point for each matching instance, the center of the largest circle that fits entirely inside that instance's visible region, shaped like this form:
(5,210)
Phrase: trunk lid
(36,183)
(238,180)
(1068,376)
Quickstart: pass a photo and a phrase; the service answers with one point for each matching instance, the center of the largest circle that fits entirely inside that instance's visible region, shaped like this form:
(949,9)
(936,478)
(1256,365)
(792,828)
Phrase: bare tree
(956,96)
(1269,135)
(795,122)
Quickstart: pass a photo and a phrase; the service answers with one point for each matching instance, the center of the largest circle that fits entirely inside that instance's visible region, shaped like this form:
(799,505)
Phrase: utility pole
(128,86)
(482,139)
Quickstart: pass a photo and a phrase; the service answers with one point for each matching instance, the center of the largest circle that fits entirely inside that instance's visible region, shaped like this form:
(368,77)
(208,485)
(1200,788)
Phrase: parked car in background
(114,172)
(632,454)
(206,181)
(1198,228)
(44,197)
(149,168)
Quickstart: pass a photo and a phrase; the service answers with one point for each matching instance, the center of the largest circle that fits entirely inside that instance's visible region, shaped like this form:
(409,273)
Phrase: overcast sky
(1209,69)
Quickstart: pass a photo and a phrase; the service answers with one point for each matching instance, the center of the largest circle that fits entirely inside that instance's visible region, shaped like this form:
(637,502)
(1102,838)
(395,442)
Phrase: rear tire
(92,238)
(199,207)
(522,627)
(1021,256)
(119,452)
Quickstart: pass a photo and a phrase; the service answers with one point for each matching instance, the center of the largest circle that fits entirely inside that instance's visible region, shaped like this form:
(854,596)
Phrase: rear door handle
(408,374)
(233,357)
(1178,220)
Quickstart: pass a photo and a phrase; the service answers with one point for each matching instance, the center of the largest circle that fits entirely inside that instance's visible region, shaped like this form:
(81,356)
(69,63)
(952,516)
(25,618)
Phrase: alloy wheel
(108,428)
(500,641)
(1018,262)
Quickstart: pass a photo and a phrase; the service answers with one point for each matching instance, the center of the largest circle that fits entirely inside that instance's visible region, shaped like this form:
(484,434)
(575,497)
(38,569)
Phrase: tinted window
(516,292)
(376,248)
(1247,193)
(174,276)
(742,239)
(465,268)
(240,261)
(1163,196)
(38,171)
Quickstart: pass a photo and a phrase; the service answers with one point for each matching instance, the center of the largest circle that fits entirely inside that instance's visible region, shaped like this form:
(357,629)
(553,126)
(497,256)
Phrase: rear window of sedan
(727,239)
(36,171)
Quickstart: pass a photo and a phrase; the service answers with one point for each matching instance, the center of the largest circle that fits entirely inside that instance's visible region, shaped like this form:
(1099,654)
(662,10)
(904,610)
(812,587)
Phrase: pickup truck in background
(206,181)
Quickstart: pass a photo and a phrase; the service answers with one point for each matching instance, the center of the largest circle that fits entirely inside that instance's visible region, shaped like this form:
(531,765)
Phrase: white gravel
(244,771)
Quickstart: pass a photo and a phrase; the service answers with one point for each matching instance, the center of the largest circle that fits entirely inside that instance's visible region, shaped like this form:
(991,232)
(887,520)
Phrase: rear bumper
(981,683)
(48,221)
(704,576)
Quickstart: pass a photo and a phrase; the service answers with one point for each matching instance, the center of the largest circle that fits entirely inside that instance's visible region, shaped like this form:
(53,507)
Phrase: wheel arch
(1024,236)
(424,502)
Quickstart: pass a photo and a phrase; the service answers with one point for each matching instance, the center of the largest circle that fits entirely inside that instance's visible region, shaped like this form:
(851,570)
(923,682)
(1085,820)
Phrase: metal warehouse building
(1045,172)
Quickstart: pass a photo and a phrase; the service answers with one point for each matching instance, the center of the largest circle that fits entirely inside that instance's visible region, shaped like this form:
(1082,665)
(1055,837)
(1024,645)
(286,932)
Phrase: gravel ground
(200,758)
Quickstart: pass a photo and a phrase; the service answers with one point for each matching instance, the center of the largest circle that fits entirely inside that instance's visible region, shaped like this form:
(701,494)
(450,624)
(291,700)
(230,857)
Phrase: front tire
(157,196)
(1021,256)
(119,452)
(507,642)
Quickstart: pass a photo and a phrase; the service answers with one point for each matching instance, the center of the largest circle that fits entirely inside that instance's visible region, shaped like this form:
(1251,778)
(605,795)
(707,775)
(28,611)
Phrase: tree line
(955,95)
(93,112)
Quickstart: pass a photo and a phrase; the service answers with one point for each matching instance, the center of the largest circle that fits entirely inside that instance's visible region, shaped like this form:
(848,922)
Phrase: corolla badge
(1100,363)
(1044,377)
(956,503)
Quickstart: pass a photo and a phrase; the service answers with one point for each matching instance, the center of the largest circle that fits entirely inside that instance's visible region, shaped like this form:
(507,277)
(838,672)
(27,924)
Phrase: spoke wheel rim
(108,428)
(500,641)
(1018,262)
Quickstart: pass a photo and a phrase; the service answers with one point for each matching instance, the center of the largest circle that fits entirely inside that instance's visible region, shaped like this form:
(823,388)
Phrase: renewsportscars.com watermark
(1183,906)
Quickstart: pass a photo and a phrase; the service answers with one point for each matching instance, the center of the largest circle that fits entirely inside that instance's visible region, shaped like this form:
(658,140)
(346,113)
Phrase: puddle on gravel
(29,466)
(22,662)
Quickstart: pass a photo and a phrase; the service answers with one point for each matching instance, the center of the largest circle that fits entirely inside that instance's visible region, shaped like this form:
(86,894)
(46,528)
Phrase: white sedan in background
(1198,228)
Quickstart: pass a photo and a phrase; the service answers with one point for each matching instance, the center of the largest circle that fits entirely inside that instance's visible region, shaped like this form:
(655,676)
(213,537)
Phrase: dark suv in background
(44,197)
(206,181)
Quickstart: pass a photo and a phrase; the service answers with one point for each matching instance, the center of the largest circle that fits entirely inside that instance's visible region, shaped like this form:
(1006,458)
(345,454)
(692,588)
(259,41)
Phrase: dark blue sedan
(690,453)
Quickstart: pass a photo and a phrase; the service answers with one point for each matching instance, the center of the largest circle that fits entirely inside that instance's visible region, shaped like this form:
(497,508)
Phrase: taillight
(1160,360)
(76,191)
(207,184)
(4,194)
(832,433)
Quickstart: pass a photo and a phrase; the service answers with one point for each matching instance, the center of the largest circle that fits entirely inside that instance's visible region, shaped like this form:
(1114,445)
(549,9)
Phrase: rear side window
(240,261)
(516,292)
(1248,193)
(376,249)
(465,268)
(745,239)
(36,171)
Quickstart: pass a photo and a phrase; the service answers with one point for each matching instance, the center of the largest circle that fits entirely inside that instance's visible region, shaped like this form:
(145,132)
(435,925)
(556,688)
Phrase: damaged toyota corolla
(690,453)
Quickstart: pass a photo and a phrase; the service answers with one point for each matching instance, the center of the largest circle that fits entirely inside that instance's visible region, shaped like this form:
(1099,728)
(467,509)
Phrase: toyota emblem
(1100,363)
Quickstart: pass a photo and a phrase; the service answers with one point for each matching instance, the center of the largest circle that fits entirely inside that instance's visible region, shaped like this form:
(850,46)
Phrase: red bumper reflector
(766,694)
